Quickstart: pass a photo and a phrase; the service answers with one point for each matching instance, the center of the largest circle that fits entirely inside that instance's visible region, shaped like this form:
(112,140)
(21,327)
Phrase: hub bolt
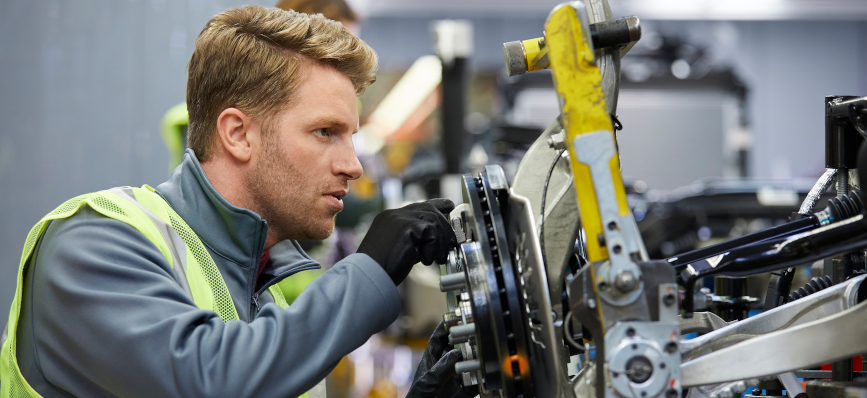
(625,281)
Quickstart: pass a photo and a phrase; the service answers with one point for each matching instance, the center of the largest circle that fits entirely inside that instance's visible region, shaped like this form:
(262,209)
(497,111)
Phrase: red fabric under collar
(262,261)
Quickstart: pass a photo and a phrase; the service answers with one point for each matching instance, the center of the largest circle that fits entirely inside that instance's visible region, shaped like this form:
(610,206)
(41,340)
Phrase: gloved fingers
(440,332)
(420,206)
(424,235)
(433,374)
(446,240)
(444,206)
(466,392)
(443,239)
(440,206)
(439,341)
(445,367)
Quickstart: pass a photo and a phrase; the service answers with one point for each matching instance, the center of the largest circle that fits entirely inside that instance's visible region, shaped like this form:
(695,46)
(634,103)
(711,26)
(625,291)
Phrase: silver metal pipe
(817,191)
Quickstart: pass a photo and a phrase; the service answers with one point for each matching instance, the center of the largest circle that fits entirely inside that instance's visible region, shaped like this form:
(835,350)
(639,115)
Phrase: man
(168,292)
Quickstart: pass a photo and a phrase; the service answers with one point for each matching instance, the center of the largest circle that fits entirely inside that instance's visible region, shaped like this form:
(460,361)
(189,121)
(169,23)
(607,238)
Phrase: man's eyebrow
(331,122)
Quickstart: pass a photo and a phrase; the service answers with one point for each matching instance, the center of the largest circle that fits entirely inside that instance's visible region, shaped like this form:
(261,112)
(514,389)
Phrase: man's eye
(323,132)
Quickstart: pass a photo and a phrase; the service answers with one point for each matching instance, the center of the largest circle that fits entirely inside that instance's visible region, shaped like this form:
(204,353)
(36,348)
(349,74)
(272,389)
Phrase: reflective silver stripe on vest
(5,334)
(172,238)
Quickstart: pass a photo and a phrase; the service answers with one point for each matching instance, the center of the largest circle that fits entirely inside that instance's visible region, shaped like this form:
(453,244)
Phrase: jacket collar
(231,232)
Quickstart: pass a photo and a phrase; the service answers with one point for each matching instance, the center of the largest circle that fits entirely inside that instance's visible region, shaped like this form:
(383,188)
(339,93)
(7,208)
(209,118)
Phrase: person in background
(335,10)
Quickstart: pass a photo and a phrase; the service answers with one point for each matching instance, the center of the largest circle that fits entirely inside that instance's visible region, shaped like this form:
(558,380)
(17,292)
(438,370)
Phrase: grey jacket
(103,316)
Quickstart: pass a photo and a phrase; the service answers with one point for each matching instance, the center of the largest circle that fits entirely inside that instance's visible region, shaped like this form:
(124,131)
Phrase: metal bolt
(450,319)
(617,249)
(671,393)
(557,141)
(453,341)
(463,330)
(612,225)
(669,299)
(591,303)
(471,365)
(630,332)
(625,281)
(454,281)
(842,182)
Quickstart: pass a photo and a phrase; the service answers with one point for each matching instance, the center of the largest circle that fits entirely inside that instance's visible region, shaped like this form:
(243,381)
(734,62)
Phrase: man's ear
(235,132)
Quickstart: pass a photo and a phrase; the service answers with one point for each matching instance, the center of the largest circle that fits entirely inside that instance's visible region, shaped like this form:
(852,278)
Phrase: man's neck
(223,175)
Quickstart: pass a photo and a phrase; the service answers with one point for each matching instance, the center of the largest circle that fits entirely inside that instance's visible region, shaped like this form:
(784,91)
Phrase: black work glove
(399,238)
(435,376)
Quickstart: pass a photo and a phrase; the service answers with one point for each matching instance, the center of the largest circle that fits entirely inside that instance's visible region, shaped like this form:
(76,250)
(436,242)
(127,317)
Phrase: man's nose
(347,163)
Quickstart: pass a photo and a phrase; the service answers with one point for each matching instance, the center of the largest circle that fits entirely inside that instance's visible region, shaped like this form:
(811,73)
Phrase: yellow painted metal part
(536,53)
(578,82)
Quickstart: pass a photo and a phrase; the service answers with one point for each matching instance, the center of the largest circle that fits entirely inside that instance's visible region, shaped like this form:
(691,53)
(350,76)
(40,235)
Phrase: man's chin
(319,232)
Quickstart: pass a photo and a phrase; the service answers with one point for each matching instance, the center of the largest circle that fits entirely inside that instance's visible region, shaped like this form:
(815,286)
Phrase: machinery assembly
(552,292)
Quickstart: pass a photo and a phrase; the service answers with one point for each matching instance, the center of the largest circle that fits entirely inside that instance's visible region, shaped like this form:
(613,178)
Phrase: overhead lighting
(680,69)
(743,9)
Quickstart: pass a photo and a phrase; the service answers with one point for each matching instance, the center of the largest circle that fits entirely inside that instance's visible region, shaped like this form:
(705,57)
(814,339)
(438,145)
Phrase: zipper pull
(256,302)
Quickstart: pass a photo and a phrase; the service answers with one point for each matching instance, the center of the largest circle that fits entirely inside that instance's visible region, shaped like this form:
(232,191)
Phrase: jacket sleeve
(110,321)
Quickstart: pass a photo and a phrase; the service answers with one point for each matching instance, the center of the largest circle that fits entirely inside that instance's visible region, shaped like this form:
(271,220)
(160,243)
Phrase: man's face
(306,158)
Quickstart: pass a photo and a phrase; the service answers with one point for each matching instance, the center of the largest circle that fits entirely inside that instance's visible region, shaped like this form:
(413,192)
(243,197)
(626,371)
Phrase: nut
(625,281)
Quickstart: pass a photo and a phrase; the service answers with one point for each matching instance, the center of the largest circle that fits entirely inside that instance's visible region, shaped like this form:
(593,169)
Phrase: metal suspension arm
(777,254)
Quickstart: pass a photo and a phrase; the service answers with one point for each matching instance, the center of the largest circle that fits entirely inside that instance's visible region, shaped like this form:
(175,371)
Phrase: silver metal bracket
(596,150)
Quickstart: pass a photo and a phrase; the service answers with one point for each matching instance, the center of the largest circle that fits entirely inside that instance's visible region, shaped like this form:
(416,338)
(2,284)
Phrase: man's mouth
(339,194)
(335,198)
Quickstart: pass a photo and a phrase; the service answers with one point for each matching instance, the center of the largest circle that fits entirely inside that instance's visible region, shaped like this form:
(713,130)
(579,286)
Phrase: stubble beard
(291,207)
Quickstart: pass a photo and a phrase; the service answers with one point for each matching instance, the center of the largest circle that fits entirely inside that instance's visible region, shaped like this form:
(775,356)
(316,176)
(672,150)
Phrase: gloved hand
(399,238)
(435,376)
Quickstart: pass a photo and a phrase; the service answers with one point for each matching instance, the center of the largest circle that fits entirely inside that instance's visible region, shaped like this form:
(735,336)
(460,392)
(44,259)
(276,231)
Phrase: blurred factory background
(716,90)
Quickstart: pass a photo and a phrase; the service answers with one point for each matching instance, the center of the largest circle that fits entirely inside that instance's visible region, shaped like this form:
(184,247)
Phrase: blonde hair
(252,58)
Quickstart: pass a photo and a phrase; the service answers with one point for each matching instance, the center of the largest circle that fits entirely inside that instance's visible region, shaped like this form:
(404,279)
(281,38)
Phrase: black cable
(567,333)
(542,216)
(615,122)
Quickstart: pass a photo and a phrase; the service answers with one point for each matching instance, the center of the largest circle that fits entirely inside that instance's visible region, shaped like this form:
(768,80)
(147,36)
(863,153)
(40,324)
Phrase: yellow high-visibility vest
(147,212)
